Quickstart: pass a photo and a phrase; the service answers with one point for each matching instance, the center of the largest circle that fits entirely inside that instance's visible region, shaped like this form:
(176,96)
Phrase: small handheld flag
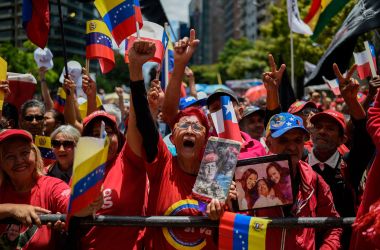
(150,32)
(99,45)
(3,76)
(333,85)
(237,231)
(88,172)
(225,121)
(363,62)
(168,61)
(44,145)
(120,17)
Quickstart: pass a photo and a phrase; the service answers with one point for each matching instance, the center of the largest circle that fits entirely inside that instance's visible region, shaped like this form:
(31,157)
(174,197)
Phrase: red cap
(11,133)
(337,116)
(99,114)
(299,105)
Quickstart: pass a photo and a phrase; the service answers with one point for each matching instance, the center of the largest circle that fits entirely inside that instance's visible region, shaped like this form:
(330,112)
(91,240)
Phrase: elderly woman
(25,192)
(171,178)
(63,142)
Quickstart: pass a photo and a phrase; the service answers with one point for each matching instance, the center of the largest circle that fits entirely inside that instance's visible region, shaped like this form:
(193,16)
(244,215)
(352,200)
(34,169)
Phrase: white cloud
(176,10)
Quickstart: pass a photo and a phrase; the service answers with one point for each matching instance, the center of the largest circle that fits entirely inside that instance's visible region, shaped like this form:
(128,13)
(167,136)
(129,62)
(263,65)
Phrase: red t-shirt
(170,194)
(124,194)
(50,193)
(251,148)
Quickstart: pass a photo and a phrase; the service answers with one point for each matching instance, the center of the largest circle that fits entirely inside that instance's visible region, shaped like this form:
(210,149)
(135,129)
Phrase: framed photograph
(217,169)
(264,182)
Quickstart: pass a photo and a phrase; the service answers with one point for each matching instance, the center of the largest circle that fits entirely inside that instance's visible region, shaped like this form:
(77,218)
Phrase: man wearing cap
(286,135)
(252,122)
(250,147)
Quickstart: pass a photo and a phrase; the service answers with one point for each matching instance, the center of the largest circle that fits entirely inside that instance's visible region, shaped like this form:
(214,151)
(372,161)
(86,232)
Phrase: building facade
(75,15)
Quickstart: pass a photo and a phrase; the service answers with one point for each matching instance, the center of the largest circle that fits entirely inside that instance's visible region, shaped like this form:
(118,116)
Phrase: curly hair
(250,194)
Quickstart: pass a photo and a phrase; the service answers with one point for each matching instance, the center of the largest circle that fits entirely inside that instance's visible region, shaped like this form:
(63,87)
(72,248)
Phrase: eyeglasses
(30,118)
(66,144)
(307,111)
(196,127)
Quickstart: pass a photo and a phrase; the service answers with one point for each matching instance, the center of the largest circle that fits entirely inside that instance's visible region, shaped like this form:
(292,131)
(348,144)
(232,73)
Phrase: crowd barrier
(192,221)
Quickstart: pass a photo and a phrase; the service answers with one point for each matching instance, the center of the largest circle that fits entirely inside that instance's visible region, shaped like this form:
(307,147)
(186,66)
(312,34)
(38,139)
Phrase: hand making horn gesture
(348,86)
(272,79)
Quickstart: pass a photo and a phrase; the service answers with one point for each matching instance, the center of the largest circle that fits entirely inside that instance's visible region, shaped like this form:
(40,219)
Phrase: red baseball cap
(332,114)
(11,133)
(99,114)
(299,105)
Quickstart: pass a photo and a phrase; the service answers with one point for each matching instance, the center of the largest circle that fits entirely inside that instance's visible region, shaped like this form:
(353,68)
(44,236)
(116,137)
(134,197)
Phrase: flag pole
(370,60)
(166,65)
(88,66)
(292,61)
(62,36)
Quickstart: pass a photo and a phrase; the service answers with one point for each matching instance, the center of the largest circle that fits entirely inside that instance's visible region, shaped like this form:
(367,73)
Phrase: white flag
(295,22)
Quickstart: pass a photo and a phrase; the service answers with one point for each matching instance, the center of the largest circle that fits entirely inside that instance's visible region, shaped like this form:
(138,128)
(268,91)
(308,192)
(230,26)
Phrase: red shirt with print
(49,193)
(170,194)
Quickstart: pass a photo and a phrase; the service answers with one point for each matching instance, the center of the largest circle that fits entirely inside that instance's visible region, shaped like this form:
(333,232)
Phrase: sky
(176,10)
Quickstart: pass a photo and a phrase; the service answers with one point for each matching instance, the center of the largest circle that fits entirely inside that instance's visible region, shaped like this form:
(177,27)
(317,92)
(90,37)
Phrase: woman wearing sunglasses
(63,141)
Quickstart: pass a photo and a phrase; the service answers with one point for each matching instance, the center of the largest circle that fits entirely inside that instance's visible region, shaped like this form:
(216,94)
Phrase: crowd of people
(151,170)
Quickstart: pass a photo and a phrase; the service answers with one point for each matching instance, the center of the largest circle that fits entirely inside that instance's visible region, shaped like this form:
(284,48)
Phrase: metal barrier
(191,221)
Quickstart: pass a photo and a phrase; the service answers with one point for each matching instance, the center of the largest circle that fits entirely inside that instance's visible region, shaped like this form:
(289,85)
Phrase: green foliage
(205,73)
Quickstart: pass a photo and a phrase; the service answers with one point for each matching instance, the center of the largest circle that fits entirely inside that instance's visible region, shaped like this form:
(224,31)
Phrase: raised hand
(88,85)
(374,85)
(348,86)
(119,92)
(141,52)
(69,85)
(188,72)
(155,95)
(4,86)
(272,79)
(185,48)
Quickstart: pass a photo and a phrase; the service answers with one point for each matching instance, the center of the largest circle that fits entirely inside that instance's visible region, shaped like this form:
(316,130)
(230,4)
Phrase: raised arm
(190,76)
(120,92)
(45,89)
(155,98)
(141,127)
(89,88)
(183,51)
(70,111)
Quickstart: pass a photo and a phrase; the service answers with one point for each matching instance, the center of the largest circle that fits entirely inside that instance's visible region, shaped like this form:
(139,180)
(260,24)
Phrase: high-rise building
(75,15)
(207,17)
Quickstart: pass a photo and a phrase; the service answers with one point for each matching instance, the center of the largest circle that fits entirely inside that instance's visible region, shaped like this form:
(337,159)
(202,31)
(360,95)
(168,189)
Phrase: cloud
(176,10)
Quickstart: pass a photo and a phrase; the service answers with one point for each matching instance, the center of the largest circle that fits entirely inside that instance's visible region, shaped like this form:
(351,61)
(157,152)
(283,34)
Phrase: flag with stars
(150,32)
(167,64)
(88,172)
(225,121)
(99,45)
(44,145)
(120,17)
(237,231)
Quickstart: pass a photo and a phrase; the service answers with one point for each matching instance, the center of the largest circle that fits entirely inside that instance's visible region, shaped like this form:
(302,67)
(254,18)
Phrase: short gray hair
(31,104)
(67,131)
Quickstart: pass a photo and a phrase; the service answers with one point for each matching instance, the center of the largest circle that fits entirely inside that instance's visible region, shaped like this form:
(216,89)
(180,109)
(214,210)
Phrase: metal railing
(191,221)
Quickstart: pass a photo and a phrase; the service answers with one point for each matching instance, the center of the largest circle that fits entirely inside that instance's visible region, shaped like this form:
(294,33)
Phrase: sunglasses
(66,144)
(307,111)
(30,118)
(196,127)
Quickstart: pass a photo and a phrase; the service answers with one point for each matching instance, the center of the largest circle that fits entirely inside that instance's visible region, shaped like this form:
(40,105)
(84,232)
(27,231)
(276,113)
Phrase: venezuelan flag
(88,172)
(60,100)
(83,105)
(44,145)
(238,231)
(99,45)
(120,17)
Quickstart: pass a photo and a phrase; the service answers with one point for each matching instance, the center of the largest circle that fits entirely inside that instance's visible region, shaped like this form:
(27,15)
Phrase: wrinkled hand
(155,95)
(119,92)
(141,52)
(4,86)
(272,79)
(374,84)
(58,225)
(28,214)
(214,209)
(185,48)
(69,85)
(88,85)
(348,86)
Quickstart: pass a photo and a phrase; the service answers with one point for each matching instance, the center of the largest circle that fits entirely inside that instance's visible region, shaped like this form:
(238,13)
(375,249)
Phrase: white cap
(75,72)
(43,58)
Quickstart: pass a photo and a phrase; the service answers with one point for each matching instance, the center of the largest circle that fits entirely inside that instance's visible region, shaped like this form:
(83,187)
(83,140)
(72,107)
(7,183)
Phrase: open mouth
(188,143)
